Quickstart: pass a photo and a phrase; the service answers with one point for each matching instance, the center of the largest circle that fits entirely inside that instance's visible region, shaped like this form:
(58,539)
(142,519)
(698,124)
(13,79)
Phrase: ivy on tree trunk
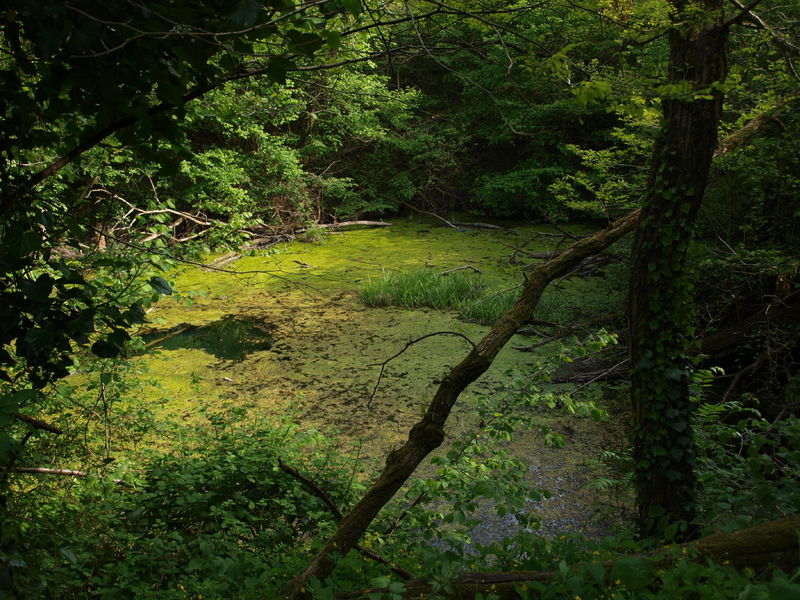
(660,300)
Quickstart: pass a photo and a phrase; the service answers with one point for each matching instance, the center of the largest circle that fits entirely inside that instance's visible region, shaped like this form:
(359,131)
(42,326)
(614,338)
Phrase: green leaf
(304,43)
(170,92)
(634,573)
(69,555)
(160,285)
(105,349)
(277,67)
(352,6)
(334,39)
(245,12)
(41,288)
(27,243)
(5,445)
(755,592)
(783,589)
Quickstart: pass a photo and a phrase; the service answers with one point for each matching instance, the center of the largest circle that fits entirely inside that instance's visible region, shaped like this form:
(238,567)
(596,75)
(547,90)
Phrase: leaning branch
(39,424)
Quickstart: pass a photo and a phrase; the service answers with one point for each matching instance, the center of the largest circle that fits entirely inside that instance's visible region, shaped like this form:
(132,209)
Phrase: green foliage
(612,178)
(216,517)
(749,467)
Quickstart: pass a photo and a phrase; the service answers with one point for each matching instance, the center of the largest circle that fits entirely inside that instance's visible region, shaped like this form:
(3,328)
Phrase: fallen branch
(477,225)
(39,424)
(475,269)
(49,471)
(354,224)
(171,334)
(224,259)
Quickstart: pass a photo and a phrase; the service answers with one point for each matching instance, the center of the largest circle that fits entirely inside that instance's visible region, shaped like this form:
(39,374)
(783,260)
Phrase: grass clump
(475,300)
(490,307)
(422,287)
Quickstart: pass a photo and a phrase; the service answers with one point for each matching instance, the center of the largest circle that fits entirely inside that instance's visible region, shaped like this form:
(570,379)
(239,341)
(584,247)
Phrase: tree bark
(659,299)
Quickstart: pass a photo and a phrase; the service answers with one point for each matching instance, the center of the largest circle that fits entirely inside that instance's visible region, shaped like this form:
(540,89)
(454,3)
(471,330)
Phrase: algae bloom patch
(233,337)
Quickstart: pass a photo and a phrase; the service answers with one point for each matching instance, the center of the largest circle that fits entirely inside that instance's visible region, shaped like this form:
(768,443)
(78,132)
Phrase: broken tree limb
(39,424)
(475,269)
(477,225)
(428,433)
(49,471)
(427,212)
(774,543)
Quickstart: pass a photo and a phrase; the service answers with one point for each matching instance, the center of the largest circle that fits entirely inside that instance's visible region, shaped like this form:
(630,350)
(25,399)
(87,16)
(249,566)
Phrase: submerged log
(342,224)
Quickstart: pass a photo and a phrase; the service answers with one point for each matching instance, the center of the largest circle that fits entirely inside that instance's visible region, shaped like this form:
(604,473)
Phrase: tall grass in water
(489,307)
(472,297)
(423,287)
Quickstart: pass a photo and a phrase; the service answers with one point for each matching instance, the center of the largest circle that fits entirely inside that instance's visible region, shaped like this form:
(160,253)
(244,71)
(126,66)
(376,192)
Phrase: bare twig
(312,487)
(49,471)
(406,347)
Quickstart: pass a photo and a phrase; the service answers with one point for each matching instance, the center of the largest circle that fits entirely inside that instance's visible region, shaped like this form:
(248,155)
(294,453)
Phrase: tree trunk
(660,306)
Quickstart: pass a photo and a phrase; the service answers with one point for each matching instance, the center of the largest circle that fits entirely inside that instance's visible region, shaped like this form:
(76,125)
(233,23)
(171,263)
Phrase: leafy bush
(218,518)
(748,467)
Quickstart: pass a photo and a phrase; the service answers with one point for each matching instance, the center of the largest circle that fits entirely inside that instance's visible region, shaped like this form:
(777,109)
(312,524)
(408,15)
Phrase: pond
(287,335)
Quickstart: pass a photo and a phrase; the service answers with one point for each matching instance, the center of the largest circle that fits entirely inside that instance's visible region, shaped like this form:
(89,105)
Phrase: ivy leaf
(160,285)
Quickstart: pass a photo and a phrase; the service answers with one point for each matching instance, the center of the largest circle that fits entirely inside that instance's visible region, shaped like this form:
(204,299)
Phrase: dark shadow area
(233,337)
